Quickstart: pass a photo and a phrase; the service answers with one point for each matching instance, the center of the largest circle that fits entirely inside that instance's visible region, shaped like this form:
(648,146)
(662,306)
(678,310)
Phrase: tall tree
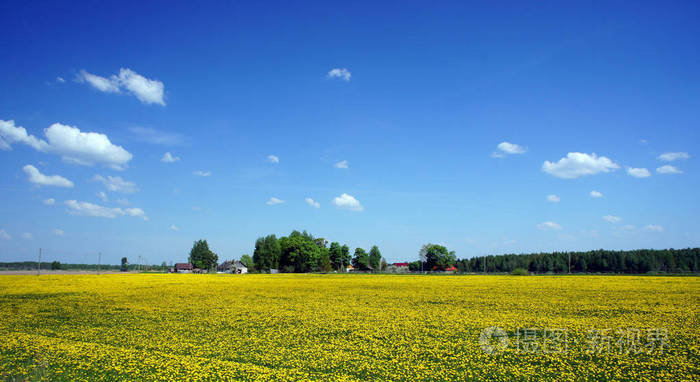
(361,260)
(437,257)
(335,255)
(375,258)
(299,253)
(125,264)
(345,257)
(267,253)
(201,256)
(248,262)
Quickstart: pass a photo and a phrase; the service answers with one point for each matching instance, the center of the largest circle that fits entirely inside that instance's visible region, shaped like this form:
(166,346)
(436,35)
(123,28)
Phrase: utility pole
(38,268)
(99,262)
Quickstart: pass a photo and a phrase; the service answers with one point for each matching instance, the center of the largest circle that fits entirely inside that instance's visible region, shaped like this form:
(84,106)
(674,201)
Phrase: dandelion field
(348,327)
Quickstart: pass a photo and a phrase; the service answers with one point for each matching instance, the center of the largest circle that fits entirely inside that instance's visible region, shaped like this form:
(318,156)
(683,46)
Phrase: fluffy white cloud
(202,173)
(343,74)
(506,148)
(95,210)
(74,146)
(146,90)
(342,164)
(668,169)
(116,184)
(347,202)
(57,232)
(549,226)
(553,198)
(612,219)
(40,179)
(173,227)
(27,236)
(575,165)
(49,201)
(9,134)
(60,79)
(4,235)
(273,158)
(103,196)
(596,194)
(670,157)
(654,228)
(312,203)
(272,201)
(638,172)
(169,158)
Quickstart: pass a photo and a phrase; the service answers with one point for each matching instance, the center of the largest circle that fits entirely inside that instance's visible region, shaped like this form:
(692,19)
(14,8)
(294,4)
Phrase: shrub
(520,272)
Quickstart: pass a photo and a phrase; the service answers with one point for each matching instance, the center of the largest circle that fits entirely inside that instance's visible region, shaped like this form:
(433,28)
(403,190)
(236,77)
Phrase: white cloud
(27,236)
(340,73)
(312,203)
(57,232)
(102,84)
(49,201)
(668,169)
(549,226)
(202,173)
(40,179)
(273,158)
(553,198)
(596,194)
(4,235)
(103,196)
(638,172)
(74,146)
(342,164)
(94,210)
(347,202)
(60,79)
(156,137)
(146,90)
(506,148)
(116,184)
(575,165)
(173,227)
(9,134)
(272,201)
(169,158)
(670,157)
(654,228)
(612,219)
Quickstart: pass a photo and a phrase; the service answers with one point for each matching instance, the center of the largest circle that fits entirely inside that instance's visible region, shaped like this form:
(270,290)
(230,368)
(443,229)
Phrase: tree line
(301,252)
(597,261)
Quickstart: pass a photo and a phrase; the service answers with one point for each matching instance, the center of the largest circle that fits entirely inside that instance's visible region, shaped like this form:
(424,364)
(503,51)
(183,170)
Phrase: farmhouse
(239,267)
(183,268)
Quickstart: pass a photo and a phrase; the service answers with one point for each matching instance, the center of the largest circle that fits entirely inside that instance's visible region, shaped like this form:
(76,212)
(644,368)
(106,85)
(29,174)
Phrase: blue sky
(405,123)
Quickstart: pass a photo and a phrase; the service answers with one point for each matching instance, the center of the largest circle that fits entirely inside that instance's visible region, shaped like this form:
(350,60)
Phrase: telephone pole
(38,267)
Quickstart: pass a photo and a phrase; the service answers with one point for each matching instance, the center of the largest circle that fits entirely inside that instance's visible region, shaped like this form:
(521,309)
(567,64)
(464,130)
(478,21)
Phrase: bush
(520,272)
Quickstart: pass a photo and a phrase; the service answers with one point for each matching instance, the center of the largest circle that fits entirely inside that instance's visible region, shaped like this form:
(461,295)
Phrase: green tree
(335,255)
(267,253)
(56,265)
(437,257)
(375,258)
(201,256)
(361,260)
(248,262)
(300,253)
(345,257)
(125,264)
(324,261)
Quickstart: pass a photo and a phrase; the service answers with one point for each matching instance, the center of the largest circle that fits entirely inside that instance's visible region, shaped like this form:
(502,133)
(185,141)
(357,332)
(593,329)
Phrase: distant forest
(598,261)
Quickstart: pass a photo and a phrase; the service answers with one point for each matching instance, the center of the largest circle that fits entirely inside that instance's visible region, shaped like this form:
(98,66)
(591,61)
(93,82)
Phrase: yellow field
(348,327)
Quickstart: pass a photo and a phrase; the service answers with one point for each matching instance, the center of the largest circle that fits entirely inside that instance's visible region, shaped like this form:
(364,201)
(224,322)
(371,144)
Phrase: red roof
(452,268)
(183,267)
(401,264)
